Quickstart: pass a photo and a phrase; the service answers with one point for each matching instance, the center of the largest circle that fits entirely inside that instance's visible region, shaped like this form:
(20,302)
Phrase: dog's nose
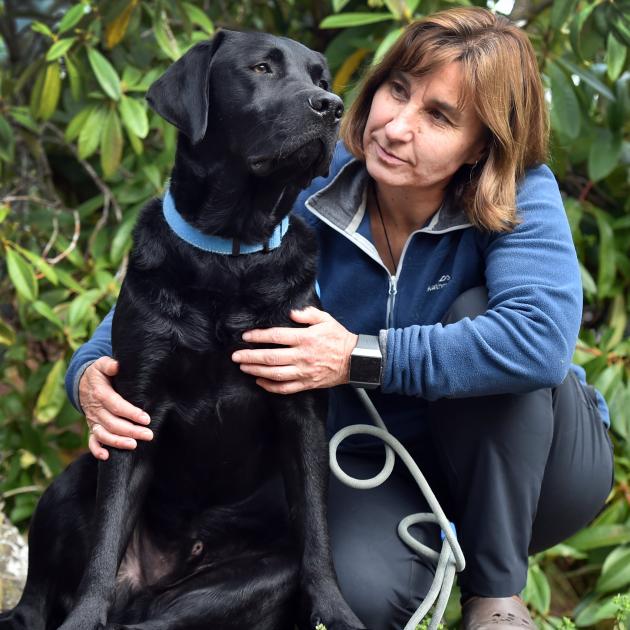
(326,103)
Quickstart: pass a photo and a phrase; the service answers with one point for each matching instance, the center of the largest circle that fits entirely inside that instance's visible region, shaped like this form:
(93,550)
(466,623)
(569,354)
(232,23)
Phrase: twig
(22,490)
(56,207)
(73,242)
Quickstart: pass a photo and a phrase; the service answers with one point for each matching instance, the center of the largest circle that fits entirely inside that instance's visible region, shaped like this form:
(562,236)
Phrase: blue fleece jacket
(523,342)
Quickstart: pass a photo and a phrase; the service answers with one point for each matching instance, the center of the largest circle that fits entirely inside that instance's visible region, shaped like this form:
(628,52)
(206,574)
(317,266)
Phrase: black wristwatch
(366,363)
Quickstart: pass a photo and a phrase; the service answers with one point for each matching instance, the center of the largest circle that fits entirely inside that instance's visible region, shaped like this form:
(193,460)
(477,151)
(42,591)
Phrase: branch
(108,195)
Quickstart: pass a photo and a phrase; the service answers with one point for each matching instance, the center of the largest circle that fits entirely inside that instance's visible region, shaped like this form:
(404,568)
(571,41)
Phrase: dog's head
(264,100)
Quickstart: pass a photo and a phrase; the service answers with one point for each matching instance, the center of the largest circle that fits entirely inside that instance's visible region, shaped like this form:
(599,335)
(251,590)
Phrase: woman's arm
(99,345)
(526,338)
(112,420)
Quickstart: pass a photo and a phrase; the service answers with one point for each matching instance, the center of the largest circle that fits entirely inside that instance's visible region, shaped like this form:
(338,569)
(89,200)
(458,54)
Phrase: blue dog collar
(216,244)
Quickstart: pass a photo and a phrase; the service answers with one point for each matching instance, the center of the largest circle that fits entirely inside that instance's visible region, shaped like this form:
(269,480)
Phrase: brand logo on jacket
(440,284)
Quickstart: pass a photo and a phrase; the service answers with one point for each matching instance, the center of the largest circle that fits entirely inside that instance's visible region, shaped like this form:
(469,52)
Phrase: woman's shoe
(495,613)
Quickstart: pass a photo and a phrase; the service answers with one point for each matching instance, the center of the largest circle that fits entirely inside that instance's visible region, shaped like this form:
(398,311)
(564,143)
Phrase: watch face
(365,369)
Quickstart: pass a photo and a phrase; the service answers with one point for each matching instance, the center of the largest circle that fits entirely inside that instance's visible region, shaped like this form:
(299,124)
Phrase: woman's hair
(500,78)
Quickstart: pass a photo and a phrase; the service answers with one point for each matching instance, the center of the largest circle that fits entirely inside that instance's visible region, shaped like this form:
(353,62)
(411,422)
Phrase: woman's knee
(384,592)
(382,580)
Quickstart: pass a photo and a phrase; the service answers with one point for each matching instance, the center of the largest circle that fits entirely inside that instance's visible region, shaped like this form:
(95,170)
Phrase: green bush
(80,154)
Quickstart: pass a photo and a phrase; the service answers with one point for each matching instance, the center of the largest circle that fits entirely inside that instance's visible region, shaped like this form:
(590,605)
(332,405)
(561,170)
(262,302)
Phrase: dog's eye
(262,68)
(323,84)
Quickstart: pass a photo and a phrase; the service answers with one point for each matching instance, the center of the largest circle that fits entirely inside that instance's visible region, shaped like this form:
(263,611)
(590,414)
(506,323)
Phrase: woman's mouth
(385,156)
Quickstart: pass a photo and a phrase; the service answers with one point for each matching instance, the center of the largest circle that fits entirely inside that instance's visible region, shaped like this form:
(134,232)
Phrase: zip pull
(391,300)
(393,288)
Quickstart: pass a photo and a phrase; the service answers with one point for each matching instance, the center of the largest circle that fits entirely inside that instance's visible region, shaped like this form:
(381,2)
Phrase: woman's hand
(112,420)
(317,356)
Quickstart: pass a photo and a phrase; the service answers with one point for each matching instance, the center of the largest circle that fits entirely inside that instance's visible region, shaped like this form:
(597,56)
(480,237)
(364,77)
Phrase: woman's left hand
(316,356)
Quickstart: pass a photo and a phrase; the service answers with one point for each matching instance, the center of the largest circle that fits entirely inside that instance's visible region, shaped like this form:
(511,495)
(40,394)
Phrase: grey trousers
(515,473)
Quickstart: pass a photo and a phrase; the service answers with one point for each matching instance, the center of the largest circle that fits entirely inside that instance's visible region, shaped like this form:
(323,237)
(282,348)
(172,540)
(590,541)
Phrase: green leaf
(39,263)
(607,264)
(52,396)
(23,117)
(21,275)
(134,116)
(105,74)
(7,334)
(396,7)
(111,143)
(537,591)
(7,141)
(596,611)
(51,89)
(564,551)
(77,123)
(412,5)
(134,141)
(45,311)
(615,57)
(604,154)
(198,17)
(90,134)
(40,27)
(560,11)
(588,77)
(577,24)
(4,211)
(598,536)
(73,17)
(606,381)
(617,321)
(615,571)
(338,5)
(165,38)
(621,26)
(122,239)
(386,44)
(75,78)
(153,175)
(345,20)
(590,288)
(80,306)
(565,109)
(60,48)
(68,281)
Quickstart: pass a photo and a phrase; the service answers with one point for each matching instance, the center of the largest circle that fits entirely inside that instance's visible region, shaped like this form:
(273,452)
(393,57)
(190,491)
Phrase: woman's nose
(400,127)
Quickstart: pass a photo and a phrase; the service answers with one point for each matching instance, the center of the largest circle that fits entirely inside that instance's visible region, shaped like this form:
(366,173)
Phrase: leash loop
(451,558)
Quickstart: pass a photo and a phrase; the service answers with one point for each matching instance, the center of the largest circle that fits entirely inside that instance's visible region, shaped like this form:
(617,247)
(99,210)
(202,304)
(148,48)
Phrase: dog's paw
(324,608)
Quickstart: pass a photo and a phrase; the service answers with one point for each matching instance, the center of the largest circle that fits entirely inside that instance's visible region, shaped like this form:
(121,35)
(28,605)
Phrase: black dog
(193,530)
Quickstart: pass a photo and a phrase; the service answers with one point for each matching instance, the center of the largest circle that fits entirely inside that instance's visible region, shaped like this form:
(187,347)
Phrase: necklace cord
(380,214)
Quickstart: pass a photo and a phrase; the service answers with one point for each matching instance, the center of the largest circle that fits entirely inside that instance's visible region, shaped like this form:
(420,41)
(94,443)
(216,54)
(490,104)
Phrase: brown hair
(502,81)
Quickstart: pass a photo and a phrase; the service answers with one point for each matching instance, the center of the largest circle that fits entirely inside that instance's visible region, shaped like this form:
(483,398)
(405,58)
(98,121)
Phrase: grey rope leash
(450,559)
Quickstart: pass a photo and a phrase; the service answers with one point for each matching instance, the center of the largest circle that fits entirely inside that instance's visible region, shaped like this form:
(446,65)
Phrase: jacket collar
(216,244)
(341,203)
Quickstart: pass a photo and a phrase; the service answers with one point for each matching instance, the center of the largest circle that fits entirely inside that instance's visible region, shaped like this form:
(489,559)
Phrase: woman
(443,236)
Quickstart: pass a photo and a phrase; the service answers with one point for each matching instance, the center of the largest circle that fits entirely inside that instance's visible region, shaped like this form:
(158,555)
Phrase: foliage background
(80,154)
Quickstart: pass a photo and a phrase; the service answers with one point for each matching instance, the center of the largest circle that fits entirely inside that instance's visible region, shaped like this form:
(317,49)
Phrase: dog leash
(450,559)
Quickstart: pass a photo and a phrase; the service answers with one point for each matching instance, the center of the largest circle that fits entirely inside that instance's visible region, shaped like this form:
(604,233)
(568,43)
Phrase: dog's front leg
(122,483)
(304,455)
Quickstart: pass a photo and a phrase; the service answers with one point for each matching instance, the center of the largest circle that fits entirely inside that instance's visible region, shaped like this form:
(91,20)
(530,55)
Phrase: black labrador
(220,521)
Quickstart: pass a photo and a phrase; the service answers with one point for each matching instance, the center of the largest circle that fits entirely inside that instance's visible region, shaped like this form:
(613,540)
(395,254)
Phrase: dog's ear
(181,94)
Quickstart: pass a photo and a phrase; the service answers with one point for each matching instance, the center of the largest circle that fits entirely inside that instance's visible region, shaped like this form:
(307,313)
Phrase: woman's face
(415,135)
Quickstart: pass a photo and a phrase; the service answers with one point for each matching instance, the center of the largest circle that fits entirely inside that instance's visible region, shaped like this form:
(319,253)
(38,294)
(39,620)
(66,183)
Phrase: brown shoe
(495,613)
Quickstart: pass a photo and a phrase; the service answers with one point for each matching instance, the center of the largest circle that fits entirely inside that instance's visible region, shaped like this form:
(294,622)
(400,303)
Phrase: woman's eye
(397,89)
(438,116)
(262,68)
(323,84)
